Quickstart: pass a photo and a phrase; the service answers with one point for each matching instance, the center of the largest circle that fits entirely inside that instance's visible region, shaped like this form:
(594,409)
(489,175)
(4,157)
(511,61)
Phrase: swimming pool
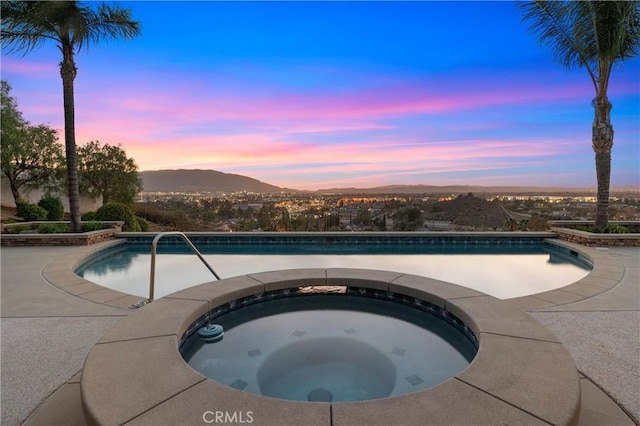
(504,268)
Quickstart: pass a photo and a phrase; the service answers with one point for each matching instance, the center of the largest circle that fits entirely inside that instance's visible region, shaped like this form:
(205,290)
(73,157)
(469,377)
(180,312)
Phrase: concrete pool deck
(47,333)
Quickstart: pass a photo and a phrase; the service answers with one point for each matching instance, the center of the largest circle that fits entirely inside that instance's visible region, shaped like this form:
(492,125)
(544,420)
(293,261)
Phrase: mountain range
(202,181)
(214,181)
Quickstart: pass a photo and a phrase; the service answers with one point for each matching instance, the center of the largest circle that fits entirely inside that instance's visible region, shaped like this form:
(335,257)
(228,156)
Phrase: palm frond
(26,24)
(592,34)
(554,22)
(108,22)
(616,27)
(23,27)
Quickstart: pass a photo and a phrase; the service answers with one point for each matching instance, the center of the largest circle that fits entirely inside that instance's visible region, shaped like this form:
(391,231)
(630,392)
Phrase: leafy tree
(594,35)
(381,223)
(106,171)
(408,219)
(30,156)
(72,25)
(363,217)
(511,224)
(266,217)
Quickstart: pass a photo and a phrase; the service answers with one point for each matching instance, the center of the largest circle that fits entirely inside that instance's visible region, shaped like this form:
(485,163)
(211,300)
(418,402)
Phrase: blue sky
(312,95)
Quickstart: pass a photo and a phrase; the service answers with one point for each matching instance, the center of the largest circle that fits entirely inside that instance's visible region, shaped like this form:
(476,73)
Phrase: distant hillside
(212,181)
(467,210)
(455,189)
(202,180)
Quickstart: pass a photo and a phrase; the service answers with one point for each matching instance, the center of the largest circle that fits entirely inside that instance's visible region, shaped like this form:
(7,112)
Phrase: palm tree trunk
(602,140)
(68,73)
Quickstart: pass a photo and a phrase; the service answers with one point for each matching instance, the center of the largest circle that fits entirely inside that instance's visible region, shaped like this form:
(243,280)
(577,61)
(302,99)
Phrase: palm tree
(72,26)
(594,35)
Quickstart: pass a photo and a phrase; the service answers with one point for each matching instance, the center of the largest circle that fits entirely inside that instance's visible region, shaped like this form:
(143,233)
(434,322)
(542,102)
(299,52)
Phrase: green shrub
(144,225)
(614,228)
(53,228)
(30,212)
(18,229)
(117,211)
(89,217)
(92,226)
(53,206)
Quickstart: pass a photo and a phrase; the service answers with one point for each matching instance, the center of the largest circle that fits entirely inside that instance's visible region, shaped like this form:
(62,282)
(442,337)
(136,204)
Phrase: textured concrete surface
(602,332)
(538,377)
(208,399)
(489,315)
(62,408)
(39,355)
(414,286)
(46,333)
(26,293)
(161,318)
(435,408)
(605,347)
(279,280)
(599,410)
(153,370)
(235,288)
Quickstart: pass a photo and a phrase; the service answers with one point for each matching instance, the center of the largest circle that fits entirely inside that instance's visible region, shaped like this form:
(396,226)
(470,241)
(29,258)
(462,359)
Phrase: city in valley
(325,211)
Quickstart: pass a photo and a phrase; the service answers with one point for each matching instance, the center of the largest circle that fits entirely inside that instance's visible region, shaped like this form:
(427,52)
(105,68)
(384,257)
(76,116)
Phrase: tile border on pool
(521,373)
(213,239)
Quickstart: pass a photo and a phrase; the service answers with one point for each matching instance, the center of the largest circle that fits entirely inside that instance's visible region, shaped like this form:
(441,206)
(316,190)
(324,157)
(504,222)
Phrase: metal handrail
(154,245)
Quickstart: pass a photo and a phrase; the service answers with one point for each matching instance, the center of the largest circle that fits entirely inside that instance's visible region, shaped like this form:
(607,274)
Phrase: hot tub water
(333,348)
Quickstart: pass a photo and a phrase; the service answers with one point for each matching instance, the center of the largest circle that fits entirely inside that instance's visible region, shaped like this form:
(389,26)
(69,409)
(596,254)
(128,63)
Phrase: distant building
(438,225)
(247,206)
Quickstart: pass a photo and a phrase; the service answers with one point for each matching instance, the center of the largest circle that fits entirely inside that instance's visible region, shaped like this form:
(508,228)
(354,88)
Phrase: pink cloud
(388,102)
(264,157)
(282,135)
(201,104)
(14,65)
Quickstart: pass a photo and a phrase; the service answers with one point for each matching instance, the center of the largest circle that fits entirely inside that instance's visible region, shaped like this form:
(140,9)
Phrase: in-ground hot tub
(317,345)
(521,373)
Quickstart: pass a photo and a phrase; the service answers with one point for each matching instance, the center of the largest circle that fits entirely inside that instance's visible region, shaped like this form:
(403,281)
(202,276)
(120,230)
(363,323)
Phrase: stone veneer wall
(631,225)
(66,239)
(601,240)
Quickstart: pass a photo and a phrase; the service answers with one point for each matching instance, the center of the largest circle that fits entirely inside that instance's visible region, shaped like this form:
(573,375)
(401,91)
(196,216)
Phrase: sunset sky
(311,95)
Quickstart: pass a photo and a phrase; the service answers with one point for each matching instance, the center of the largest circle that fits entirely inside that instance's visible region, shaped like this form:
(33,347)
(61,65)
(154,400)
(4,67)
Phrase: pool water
(503,273)
(332,348)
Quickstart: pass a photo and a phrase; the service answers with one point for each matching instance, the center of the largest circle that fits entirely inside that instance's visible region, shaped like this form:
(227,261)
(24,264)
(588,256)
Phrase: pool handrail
(154,245)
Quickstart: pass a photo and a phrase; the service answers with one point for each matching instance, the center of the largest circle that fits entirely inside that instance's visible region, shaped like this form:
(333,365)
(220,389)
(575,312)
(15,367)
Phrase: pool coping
(605,274)
(521,374)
